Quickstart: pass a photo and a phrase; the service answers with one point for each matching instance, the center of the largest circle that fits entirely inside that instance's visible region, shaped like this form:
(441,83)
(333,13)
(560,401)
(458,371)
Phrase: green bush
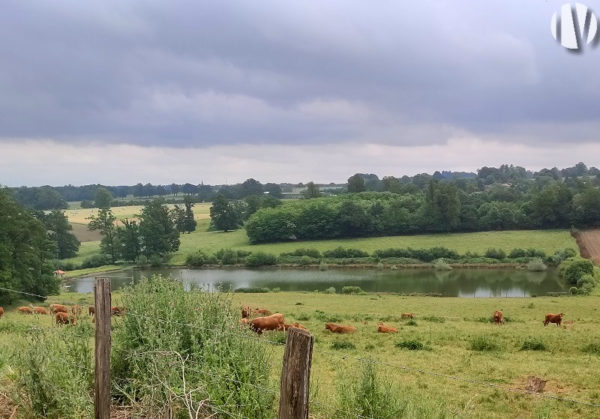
(536,265)
(592,348)
(260,259)
(227,256)
(411,322)
(573,269)
(351,289)
(198,258)
(330,290)
(342,344)
(251,290)
(340,253)
(498,254)
(483,343)
(441,265)
(95,261)
(307,260)
(170,335)
(425,255)
(517,253)
(411,345)
(313,253)
(533,344)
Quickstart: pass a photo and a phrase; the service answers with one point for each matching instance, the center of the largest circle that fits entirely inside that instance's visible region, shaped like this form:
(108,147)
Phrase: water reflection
(474,283)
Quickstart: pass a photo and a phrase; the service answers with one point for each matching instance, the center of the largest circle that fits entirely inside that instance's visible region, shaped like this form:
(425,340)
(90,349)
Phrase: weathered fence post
(295,375)
(102,304)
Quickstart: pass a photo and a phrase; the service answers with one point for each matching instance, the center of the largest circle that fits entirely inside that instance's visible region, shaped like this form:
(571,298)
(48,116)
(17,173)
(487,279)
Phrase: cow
(498,317)
(262,311)
(285,327)
(76,310)
(117,310)
(25,310)
(246,312)
(337,328)
(271,322)
(1,312)
(91,310)
(382,328)
(64,318)
(40,310)
(408,316)
(58,308)
(553,318)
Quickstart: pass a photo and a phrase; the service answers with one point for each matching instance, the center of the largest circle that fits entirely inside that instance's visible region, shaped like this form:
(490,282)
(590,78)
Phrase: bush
(198,258)
(260,259)
(313,253)
(342,344)
(411,322)
(307,260)
(411,345)
(441,265)
(350,289)
(159,341)
(498,254)
(536,265)
(533,344)
(227,256)
(425,255)
(517,253)
(483,343)
(592,348)
(95,261)
(330,290)
(574,268)
(157,260)
(340,253)
(252,290)
(323,266)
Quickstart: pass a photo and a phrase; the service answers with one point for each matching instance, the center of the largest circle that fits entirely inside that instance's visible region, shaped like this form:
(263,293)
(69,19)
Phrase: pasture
(449,337)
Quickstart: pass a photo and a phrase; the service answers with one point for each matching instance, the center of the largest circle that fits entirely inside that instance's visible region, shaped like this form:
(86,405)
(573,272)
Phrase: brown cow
(40,310)
(285,327)
(76,309)
(262,311)
(58,308)
(337,328)
(271,322)
(553,318)
(498,317)
(1,312)
(117,310)
(408,316)
(25,310)
(64,318)
(91,310)
(382,328)
(246,312)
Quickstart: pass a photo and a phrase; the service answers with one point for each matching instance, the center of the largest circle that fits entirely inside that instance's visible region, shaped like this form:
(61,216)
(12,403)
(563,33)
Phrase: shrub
(340,252)
(434,319)
(425,255)
(157,260)
(533,344)
(574,268)
(227,256)
(536,265)
(159,344)
(330,290)
(306,260)
(351,289)
(441,265)
(304,317)
(260,259)
(198,258)
(95,261)
(313,253)
(251,290)
(517,253)
(323,266)
(411,345)
(342,344)
(592,348)
(411,322)
(483,343)
(498,254)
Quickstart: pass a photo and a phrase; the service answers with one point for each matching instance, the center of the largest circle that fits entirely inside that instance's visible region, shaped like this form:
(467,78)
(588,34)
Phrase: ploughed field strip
(589,244)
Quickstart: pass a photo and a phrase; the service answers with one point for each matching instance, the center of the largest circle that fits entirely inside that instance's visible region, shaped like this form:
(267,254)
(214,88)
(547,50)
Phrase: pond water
(455,283)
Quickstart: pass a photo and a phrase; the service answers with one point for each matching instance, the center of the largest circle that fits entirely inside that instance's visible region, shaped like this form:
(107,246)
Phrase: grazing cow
(337,328)
(285,327)
(271,322)
(553,318)
(1,312)
(246,311)
(262,311)
(91,310)
(25,310)
(117,310)
(382,328)
(58,308)
(64,318)
(40,310)
(498,317)
(408,316)
(76,309)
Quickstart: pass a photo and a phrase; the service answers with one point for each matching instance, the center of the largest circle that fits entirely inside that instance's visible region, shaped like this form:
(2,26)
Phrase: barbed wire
(23,292)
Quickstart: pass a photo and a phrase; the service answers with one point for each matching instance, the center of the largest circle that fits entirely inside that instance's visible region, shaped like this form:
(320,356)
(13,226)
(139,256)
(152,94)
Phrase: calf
(64,318)
(246,311)
(117,311)
(40,310)
(58,308)
(337,328)
(553,318)
(382,328)
(498,317)
(408,316)
(1,312)
(271,322)
(25,310)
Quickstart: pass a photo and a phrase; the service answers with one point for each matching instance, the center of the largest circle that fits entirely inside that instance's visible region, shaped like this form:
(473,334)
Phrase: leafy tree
(178,217)
(356,183)
(174,189)
(128,238)
(273,190)
(25,253)
(105,223)
(312,191)
(158,233)
(60,231)
(252,187)
(103,198)
(189,223)
(442,206)
(224,216)
(586,206)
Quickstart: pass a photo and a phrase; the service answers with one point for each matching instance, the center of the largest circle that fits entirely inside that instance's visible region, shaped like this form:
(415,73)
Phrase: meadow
(449,337)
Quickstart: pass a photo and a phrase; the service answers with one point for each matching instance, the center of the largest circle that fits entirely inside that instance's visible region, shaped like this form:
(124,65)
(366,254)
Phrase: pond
(455,283)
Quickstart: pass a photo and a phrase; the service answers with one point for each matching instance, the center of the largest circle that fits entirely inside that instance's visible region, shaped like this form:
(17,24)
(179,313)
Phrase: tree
(25,253)
(189,223)
(442,206)
(105,223)
(252,187)
(158,234)
(312,191)
(103,198)
(273,190)
(224,215)
(60,231)
(174,189)
(356,183)
(178,217)
(128,238)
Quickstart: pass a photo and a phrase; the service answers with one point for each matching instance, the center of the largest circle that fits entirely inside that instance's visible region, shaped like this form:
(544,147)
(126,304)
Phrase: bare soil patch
(83,234)
(589,244)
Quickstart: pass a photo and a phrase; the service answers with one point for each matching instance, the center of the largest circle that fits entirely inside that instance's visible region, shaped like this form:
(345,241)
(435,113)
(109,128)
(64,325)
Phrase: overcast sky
(120,92)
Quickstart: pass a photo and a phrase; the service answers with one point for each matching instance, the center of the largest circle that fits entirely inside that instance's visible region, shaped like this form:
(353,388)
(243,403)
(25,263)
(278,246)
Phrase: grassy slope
(570,372)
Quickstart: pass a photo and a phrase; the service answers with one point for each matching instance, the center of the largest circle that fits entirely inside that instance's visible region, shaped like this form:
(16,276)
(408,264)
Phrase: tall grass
(178,351)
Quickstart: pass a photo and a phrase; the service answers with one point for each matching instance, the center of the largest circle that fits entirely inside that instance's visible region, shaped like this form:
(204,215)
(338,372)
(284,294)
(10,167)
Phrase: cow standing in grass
(272,322)
(25,310)
(553,318)
(1,312)
(498,317)
(40,310)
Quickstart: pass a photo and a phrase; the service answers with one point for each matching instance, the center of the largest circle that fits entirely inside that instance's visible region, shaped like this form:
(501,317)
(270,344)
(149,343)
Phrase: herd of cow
(61,312)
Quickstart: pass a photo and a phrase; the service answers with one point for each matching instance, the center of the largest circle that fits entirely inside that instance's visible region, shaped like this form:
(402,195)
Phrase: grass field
(447,327)
(81,215)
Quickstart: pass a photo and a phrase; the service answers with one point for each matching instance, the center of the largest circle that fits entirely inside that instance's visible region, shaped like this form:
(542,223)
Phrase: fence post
(102,304)
(295,375)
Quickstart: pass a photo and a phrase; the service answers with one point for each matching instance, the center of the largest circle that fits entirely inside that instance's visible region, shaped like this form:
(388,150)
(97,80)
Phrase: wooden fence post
(102,304)
(295,375)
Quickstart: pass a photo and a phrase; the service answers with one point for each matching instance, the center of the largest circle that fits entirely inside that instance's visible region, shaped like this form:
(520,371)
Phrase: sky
(217,92)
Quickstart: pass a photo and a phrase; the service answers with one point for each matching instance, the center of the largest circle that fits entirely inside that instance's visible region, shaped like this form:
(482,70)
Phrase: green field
(447,327)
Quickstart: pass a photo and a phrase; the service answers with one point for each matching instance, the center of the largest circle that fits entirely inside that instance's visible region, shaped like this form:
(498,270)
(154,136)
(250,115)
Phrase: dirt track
(589,244)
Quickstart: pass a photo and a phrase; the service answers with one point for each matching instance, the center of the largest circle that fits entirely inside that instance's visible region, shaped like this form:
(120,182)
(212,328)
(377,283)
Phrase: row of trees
(441,207)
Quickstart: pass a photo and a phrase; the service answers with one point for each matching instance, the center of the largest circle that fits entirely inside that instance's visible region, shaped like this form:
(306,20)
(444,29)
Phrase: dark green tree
(224,215)
(128,238)
(103,198)
(189,223)
(312,191)
(60,231)
(158,233)
(356,183)
(104,222)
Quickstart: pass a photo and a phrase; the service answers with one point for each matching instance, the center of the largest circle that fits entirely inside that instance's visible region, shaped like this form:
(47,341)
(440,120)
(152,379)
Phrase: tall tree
(224,215)
(189,223)
(158,233)
(103,198)
(312,191)
(105,223)
(129,240)
(61,232)
(356,183)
